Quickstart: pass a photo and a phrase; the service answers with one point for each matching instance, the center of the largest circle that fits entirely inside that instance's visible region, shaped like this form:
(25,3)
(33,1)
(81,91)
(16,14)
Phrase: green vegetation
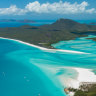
(89,93)
(80,93)
(45,35)
(91,90)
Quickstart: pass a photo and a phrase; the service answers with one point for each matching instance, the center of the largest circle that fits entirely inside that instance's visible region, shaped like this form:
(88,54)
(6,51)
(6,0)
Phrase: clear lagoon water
(29,71)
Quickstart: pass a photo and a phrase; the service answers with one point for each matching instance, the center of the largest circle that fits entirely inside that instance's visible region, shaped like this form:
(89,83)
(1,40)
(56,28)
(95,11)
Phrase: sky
(48,9)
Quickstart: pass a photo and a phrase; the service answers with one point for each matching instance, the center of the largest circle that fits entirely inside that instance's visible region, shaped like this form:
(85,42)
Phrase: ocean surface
(18,24)
(30,71)
(39,22)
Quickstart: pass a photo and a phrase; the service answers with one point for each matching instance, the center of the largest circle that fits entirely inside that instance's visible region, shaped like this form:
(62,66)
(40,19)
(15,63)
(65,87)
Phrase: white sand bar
(84,75)
(42,48)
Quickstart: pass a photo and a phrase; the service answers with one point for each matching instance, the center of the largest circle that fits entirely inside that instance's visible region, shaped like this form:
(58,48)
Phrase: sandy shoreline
(84,75)
(46,49)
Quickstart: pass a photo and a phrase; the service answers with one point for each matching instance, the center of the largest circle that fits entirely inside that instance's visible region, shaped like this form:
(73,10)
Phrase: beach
(42,48)
(61,72)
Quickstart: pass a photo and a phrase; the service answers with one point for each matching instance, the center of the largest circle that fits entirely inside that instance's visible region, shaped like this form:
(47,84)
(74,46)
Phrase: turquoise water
(29,71)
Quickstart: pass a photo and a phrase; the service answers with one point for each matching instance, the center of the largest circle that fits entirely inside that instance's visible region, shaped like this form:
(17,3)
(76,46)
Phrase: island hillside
(45,35)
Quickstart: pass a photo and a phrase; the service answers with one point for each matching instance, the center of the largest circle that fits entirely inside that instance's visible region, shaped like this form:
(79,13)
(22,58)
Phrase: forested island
(45,35)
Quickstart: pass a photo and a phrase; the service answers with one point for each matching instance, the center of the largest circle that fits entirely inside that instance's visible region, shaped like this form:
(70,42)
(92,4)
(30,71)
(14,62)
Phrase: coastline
(46,49)
(86,79)
(84,75)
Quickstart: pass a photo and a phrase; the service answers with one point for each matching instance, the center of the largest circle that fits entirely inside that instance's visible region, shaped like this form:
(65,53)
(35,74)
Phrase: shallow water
(29,71)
